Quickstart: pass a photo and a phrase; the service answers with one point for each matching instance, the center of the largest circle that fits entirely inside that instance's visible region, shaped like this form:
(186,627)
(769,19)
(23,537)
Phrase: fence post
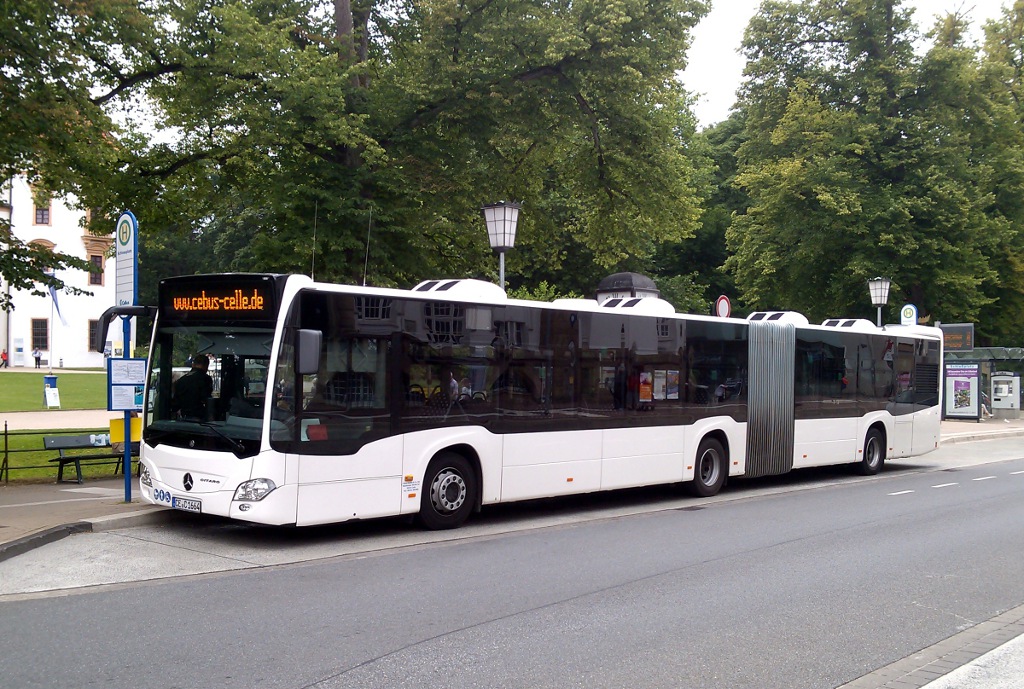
(5,471)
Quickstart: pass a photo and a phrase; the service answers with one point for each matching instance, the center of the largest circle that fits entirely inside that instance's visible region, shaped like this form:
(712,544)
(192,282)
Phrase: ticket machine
(1006,395)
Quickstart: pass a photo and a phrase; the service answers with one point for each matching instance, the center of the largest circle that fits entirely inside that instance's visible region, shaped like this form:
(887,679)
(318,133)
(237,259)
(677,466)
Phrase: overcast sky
(716,66)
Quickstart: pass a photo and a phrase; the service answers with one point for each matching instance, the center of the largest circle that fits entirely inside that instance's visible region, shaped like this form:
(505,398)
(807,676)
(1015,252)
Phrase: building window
(41,334)
(43,215)
(93,327)
(445,322)
(373,308)
(96,278)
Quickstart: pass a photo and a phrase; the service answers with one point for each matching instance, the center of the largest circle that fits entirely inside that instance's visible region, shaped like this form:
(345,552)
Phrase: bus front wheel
(449,492)
(874,454)
(710,469)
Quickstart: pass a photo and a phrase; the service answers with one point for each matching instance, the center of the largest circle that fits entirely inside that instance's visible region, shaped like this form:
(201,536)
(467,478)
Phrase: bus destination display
(218,301)
(236,301)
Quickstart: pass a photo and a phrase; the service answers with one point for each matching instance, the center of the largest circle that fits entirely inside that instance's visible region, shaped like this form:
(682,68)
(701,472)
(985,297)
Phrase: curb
(974,437)
(145,517)
(93,525)
(41,538)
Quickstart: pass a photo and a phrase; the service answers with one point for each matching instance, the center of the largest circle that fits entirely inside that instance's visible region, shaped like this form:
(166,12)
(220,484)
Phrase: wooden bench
(67,446)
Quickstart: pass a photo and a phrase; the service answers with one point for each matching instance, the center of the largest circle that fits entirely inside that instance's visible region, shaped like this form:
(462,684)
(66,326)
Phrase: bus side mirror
(308,352)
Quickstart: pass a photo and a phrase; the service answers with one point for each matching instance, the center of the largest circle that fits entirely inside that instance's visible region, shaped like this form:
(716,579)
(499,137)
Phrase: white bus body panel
(820,442)
(550,463)
(643,456)
(901,441)
(363,485)
(927,429)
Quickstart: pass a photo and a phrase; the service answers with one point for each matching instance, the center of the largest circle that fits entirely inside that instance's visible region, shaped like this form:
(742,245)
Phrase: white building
(62,331)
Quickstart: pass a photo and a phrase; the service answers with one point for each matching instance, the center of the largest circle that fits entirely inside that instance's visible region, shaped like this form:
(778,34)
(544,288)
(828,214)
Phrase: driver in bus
(193,390)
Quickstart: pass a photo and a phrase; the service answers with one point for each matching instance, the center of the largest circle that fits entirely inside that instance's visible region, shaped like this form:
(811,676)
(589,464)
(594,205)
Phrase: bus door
(902,406)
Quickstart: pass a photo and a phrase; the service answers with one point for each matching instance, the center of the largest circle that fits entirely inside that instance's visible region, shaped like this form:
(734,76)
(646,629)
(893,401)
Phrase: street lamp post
(879,289)
(501,219)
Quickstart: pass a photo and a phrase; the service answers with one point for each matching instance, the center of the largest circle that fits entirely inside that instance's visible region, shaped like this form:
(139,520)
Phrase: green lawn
(23,390)
(24,449)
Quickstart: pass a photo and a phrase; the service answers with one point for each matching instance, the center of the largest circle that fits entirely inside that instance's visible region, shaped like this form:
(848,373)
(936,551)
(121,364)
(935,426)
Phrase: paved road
(191,548)
(813,588)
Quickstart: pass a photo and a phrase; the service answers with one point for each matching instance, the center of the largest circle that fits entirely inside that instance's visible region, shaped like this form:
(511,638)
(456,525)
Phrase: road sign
(908,315)
(127,243)
(723,307)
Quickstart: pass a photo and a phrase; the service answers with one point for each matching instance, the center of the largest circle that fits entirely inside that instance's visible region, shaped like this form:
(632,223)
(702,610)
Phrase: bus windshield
(207,387)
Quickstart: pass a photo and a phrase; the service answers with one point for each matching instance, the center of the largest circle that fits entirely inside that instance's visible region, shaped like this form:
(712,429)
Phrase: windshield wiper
(153,435)
(237,446)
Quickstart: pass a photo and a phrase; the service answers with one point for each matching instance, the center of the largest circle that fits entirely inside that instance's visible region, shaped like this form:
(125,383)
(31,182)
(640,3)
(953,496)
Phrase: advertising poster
(672,386)
(646,386)
(660,381)
(962,398)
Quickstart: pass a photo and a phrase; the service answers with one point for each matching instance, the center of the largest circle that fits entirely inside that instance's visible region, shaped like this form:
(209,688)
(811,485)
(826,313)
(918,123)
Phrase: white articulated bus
(334,402)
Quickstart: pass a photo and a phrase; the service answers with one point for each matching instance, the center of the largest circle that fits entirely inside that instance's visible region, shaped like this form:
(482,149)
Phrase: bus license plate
(187,504)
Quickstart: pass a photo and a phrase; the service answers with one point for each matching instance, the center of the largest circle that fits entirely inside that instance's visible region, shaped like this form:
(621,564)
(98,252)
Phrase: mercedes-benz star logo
(187,482)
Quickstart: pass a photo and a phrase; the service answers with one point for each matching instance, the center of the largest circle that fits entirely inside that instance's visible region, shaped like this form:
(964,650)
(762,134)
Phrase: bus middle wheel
(710,469)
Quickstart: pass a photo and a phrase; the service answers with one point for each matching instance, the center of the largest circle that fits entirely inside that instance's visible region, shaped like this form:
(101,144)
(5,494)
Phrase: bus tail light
(254,490)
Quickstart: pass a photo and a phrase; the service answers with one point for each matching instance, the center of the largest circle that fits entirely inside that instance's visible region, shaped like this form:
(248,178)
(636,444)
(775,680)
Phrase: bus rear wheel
(874,454)
(710,469)
(449,492)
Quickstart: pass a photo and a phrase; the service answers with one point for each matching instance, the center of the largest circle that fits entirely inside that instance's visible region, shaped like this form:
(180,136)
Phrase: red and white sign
(723,307)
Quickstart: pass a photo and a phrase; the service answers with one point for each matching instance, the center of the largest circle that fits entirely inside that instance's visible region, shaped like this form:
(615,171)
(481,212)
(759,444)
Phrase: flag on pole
(56,305)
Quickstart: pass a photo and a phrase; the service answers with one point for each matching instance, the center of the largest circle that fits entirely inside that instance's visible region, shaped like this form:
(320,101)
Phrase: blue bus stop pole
(126,323)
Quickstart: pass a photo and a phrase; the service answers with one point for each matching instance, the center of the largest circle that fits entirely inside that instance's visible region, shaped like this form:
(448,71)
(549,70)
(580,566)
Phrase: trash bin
(48,382)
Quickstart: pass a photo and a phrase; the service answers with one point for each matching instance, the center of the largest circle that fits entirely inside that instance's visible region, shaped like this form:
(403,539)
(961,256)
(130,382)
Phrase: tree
(858,162)
(1002,77)
(60,61)
(387,138)
(691,274)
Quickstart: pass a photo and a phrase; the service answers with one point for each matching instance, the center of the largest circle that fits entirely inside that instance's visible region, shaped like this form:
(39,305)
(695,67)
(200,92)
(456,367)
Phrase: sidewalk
(58,418)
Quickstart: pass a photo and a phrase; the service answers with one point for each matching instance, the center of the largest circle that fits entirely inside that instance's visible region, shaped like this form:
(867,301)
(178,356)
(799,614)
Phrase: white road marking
(946,485)
(902,492)
(982,478)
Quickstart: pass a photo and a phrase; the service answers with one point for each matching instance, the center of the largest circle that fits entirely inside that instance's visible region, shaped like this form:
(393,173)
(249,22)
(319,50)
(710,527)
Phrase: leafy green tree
(1002,78)
(383,127)
(542,291)
(858,161)
(691,274)
(60,62)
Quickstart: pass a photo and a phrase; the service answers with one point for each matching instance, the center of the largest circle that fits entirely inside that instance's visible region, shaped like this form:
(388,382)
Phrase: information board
(126,383)
(957,337)
(963,390)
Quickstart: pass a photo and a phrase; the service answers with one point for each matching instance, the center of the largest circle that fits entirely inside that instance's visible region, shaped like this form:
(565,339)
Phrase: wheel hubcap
(709,467)
(448,492)
(872,452)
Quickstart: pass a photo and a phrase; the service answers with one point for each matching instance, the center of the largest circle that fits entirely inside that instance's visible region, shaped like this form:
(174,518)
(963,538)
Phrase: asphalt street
(132,543)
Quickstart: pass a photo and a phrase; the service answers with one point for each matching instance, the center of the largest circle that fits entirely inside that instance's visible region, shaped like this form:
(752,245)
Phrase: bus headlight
(254,490)
(144,477)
